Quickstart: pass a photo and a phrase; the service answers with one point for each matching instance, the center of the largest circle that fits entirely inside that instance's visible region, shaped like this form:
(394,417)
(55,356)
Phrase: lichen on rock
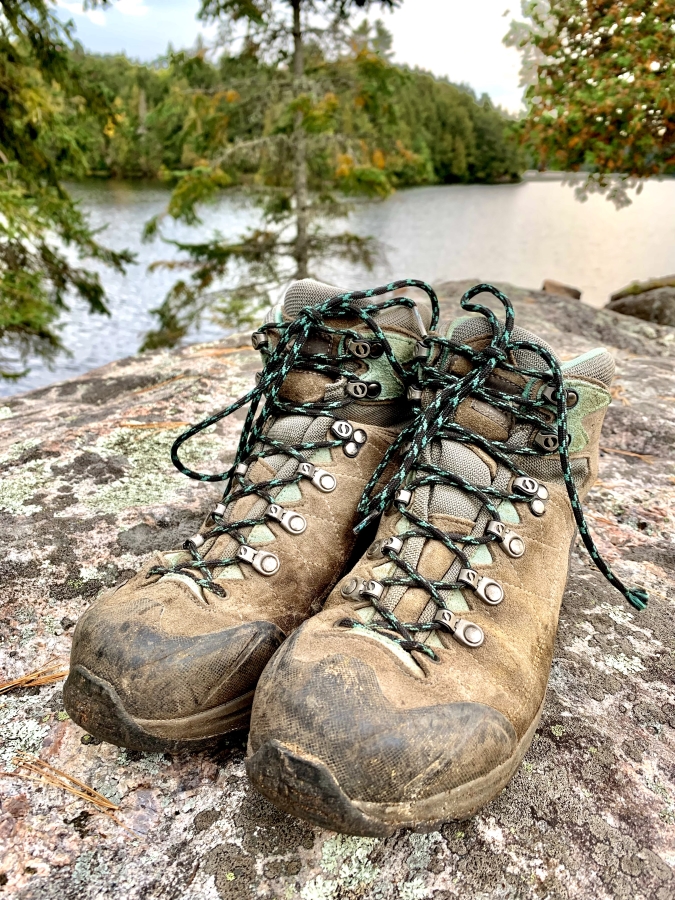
(87,491)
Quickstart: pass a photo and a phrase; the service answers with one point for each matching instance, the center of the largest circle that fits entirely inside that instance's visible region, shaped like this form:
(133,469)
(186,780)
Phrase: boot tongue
(308,292)
(476,331)
(489,421)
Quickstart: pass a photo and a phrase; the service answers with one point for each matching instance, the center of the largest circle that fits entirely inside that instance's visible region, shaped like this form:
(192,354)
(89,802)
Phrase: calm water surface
(517,233)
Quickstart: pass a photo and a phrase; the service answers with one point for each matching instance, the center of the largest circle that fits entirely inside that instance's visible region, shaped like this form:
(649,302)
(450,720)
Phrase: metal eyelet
(321,479)
(219,510)
(415,394)
(403,496)
(241,469)
(353,447)
(464,632)
(421,351)
(357,389)
(528,486)
(537,507)
(394,544)
(572,398)
(352,588)
(262,560)
(342,430)
(259,340)
(372,589)
(364,390)
(290,520)
(362,348)
(512,543)
(487,588)
(547,440)
(550,394)
(538,493)
(195,542)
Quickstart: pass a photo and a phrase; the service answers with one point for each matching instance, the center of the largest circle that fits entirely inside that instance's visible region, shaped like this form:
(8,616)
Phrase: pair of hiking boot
(403,505)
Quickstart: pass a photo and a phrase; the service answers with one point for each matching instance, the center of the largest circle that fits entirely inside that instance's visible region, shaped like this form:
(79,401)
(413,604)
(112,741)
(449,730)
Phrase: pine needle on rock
(45,675)
(32,768)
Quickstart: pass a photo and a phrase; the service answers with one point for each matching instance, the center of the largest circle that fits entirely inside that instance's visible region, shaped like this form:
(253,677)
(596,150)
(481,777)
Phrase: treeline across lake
(185,112)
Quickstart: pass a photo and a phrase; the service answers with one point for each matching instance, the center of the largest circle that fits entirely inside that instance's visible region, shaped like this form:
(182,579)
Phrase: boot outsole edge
(94,704)
(304,787)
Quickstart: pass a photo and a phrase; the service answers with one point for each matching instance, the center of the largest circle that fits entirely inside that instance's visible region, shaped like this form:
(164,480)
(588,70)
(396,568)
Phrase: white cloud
(95,16)
(462,41)
(98,16)
(132,7)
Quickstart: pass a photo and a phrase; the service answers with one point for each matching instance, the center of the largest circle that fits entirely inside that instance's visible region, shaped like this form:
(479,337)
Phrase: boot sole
(304,787)
(95,705)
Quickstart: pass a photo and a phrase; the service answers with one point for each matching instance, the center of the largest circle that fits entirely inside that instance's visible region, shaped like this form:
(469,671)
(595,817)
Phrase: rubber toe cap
(163,676)
(334,713)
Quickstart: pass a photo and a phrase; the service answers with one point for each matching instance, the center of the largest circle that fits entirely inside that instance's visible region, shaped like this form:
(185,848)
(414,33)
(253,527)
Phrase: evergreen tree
(40,87)
(298,162)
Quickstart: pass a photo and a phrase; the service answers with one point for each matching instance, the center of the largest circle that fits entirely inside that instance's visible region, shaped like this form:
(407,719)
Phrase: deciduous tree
(601,89)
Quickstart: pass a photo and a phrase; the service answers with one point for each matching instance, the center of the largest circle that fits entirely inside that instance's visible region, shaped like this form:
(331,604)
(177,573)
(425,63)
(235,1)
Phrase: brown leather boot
(412,698)
(171,659)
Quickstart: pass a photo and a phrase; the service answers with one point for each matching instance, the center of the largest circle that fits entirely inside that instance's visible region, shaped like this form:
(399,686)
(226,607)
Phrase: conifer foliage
(299,161)
(39,222)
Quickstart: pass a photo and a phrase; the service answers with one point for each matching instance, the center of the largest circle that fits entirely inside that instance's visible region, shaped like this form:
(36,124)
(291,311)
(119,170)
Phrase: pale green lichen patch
(347,859)
(5,412)
(18,734)
(19,486)
(148,454)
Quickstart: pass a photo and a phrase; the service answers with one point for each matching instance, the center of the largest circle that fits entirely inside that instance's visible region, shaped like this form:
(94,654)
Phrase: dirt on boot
(170,659)
(412,698)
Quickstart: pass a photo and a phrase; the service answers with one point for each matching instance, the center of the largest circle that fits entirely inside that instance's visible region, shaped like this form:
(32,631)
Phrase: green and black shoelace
(289,354)
(436,423)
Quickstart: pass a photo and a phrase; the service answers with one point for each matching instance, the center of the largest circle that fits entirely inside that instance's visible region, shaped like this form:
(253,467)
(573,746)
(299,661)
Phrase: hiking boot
(170,660)
(412,697)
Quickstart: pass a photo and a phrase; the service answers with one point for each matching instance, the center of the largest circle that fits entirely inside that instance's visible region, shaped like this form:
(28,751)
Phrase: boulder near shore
(87,491)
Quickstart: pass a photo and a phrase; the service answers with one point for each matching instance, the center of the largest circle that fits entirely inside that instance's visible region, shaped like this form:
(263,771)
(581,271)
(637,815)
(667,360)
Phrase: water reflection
(517,233)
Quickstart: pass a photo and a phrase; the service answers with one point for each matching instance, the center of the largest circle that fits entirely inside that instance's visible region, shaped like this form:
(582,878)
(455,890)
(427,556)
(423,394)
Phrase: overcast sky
(460,39)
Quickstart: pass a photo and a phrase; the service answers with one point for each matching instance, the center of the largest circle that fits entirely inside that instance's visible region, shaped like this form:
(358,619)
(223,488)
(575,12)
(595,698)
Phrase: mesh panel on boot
(309,292)
(597,364)
(466,329)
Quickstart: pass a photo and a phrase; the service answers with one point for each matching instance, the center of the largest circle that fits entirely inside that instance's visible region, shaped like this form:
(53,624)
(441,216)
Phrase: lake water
(520,233)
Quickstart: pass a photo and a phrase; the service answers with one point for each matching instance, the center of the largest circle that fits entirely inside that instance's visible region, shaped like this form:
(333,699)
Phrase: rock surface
(656,305)
(562,290)
(87,490)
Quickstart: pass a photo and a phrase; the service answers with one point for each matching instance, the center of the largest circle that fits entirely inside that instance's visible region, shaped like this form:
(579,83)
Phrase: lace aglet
(638,598)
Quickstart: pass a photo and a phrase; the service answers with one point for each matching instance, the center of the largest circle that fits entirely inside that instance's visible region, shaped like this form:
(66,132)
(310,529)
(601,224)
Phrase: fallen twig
(645,457)
(36,769)
(157,425)
(618,392)
(45,675)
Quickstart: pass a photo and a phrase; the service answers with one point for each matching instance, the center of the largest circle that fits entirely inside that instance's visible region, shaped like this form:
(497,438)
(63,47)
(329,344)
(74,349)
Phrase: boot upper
(195,627)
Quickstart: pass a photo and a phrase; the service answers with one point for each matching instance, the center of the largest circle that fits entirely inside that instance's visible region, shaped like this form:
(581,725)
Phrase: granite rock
(656,305)
(87,490)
